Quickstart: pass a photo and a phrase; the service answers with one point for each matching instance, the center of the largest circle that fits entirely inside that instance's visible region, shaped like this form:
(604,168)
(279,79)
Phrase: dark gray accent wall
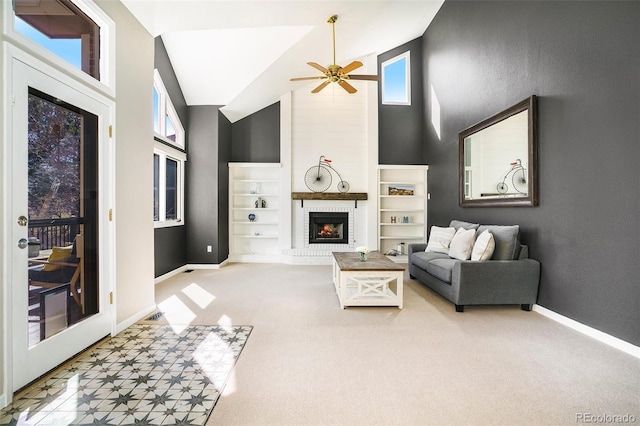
(169,249)
(224,157)
(400,126)
(256,138)
(203,192)
(170,243)
(582,59)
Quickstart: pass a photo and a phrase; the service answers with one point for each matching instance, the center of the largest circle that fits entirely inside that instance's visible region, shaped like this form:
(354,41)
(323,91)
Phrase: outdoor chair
(62,267)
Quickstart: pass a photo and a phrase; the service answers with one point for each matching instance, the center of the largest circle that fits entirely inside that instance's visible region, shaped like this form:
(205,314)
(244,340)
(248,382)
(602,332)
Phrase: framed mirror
(498,162)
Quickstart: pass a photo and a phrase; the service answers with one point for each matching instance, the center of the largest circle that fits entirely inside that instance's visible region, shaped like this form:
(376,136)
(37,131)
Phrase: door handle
(23,243)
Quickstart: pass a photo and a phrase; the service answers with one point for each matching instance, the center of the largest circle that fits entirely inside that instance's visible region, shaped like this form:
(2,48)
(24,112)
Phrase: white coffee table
(376,282)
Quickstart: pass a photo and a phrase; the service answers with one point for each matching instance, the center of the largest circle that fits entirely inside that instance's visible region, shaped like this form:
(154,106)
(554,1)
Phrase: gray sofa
(509,277)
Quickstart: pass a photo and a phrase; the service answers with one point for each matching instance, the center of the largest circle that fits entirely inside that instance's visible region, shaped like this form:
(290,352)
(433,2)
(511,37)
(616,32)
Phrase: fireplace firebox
(328,228)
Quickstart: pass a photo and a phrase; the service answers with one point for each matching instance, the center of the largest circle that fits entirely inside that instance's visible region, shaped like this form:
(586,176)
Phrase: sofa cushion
(506,239)
(440,239)
(442,268)
(422,258)
(462,224)
(462,244)
(484,246)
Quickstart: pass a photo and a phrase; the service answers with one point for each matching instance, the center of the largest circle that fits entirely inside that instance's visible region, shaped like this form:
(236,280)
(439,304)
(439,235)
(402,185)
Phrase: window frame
(407,89)
(166,108)
(166,149)
(107,66)
(164,153)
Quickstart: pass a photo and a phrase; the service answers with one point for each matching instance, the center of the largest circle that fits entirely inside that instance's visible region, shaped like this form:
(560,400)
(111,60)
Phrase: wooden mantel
(334,196)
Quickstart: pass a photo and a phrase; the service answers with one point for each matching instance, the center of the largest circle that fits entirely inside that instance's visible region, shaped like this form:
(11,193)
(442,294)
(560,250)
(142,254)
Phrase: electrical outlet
(209,249)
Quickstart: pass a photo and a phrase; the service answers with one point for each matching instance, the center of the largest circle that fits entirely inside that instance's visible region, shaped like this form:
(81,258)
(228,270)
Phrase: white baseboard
(589,331)
(184,268)
(207,265)
(3,401)
(134,318)
(170,274)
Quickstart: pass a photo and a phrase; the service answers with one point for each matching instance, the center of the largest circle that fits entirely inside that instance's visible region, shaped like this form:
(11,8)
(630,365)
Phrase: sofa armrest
(416,247)
(496,281)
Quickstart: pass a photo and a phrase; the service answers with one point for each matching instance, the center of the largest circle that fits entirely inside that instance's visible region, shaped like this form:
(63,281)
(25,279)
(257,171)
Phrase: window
(396,80)
(168,184)
(166,123)
(76,31)
(168,159)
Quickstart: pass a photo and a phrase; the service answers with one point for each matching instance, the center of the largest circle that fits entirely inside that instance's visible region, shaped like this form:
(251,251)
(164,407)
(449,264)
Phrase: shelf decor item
(252,217)
(401,189)
(364,253)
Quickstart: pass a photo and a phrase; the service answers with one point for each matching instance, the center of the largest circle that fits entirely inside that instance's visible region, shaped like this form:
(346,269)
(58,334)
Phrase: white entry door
(60,236)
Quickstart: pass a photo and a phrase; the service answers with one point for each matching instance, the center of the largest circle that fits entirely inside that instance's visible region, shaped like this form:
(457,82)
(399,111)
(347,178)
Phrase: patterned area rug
(146,375)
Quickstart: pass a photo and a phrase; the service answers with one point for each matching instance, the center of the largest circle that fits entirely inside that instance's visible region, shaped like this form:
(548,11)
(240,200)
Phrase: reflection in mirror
(498,159)
(493,160)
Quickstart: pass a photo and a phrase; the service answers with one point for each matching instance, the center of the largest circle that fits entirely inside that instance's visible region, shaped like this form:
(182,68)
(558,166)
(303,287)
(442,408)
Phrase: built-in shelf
(251,185)
(402,207)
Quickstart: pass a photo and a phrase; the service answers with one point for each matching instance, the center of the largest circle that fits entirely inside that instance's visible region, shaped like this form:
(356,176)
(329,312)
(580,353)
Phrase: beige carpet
(308,362)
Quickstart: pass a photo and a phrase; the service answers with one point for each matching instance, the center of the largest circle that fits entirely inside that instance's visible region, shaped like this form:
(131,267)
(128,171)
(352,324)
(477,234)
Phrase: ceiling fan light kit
(335,73)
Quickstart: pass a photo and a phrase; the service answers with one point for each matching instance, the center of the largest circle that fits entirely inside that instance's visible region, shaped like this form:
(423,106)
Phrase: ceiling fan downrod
(332,20)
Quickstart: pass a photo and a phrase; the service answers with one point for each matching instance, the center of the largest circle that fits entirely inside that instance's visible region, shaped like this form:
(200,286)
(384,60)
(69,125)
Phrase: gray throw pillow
(462,224)
(507,239)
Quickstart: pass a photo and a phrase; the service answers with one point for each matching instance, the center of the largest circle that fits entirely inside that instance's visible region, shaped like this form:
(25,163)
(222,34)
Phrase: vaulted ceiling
(241,54)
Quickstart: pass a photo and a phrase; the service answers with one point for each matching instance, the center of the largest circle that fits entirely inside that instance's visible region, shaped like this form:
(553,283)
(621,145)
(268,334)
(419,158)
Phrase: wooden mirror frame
(531,199)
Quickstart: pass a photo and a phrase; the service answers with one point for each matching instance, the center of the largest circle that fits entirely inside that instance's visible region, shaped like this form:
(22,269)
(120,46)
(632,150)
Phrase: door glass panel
(62,205)
(63,29)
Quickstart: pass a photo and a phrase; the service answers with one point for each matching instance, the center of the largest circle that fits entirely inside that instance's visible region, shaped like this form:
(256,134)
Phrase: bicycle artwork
(518,179)
(318,178)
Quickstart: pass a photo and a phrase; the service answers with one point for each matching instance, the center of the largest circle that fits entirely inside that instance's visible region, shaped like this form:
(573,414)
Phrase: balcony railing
(54,232)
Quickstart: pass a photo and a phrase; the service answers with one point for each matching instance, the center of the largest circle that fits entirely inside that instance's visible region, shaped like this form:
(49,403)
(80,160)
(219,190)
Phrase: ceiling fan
(335,73)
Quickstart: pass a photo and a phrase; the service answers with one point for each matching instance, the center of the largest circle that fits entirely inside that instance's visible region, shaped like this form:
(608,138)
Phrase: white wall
(331,123)
(134,165)
(338,125)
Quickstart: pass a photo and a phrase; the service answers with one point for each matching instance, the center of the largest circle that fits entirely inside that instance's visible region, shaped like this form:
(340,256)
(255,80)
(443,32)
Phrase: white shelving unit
(251,185)
(402,207)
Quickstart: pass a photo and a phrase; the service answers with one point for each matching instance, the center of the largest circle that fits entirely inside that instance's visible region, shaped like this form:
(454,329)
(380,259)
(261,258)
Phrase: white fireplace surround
(344,128)
(328,247)
(301,252)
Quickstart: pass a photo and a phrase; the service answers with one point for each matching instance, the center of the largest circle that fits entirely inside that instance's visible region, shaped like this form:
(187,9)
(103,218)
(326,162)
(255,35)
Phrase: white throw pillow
(484,246)
(440,239)
(462,244)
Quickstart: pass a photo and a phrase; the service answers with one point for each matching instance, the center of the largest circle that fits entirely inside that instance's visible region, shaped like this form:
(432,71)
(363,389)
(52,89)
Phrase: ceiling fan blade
(352,66)
(363,77)
(307,78)
(322,86)
(318,67)
(346,86)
